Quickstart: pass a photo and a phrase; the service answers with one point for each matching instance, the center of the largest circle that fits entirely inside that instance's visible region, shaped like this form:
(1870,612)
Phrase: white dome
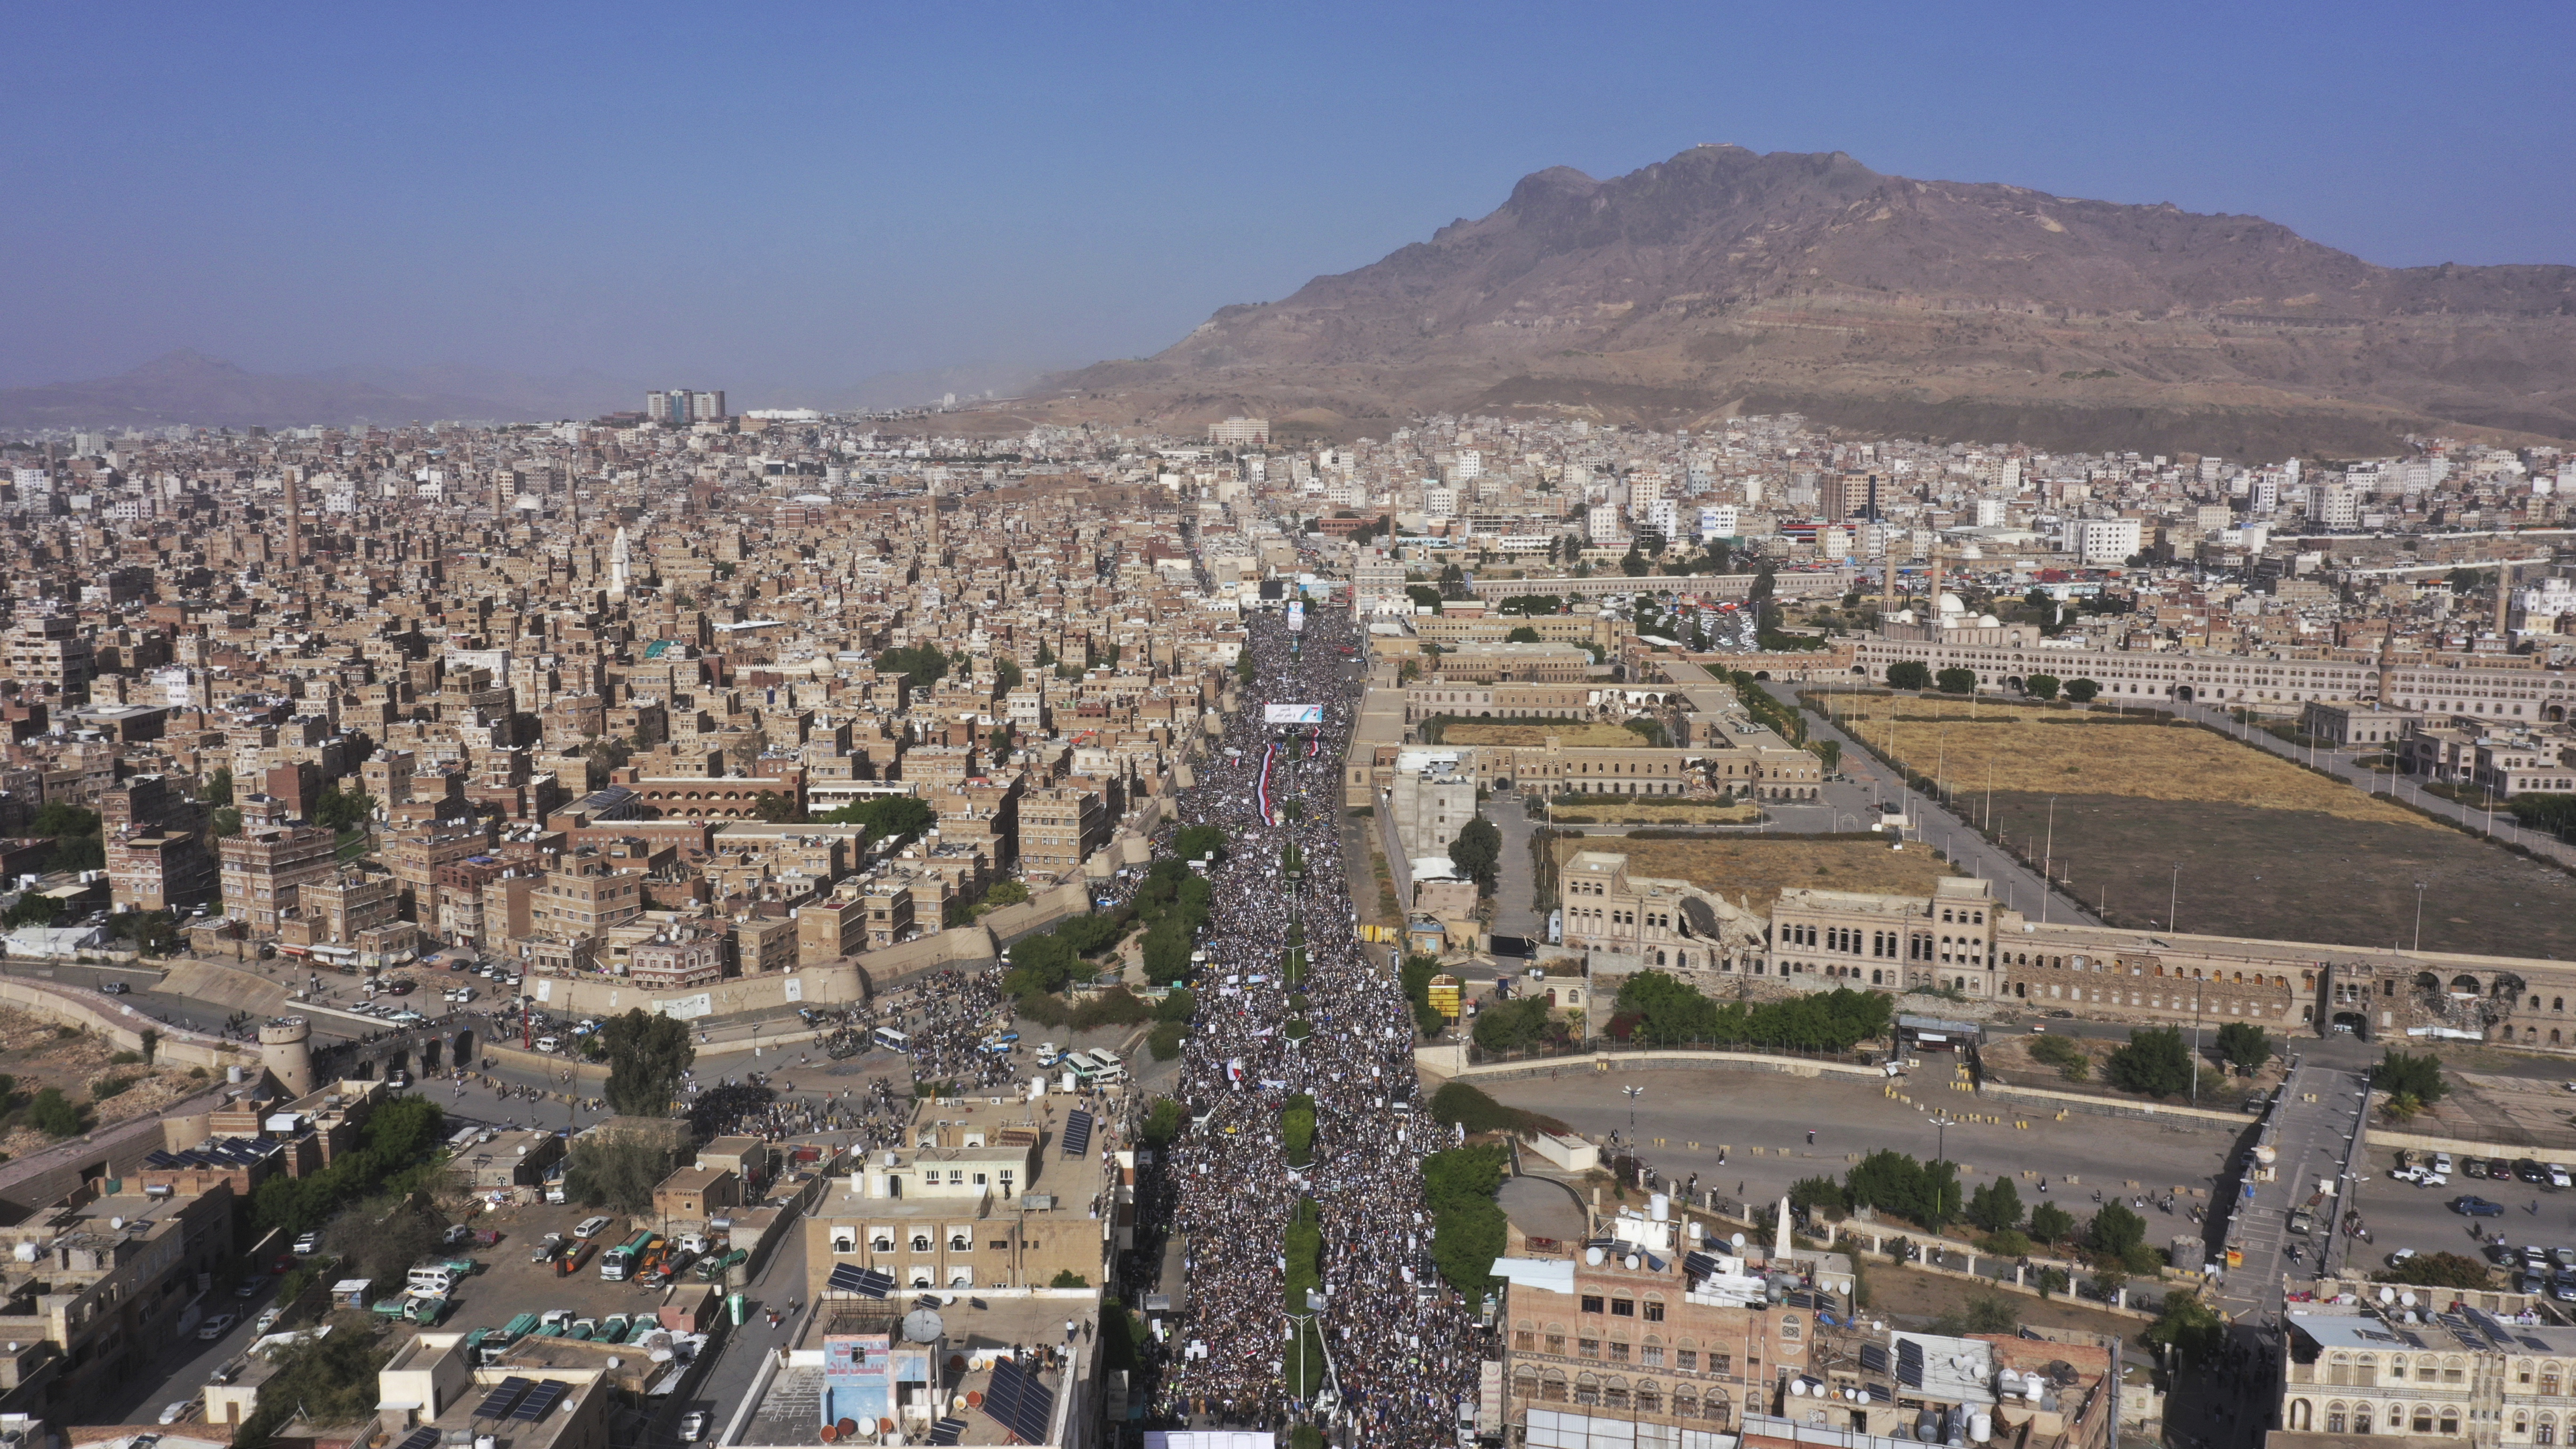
(1989,621)
(1905,616)
(1952,604)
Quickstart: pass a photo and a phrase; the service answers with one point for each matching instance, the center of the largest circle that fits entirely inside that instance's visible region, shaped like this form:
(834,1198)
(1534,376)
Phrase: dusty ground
(1911,1296)
(2011,751)
(1681,813)
(1758,868)
(1566,732)
(38,1054)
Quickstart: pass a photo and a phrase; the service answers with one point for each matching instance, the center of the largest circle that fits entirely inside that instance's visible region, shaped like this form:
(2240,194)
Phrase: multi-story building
(1944,942)
(1431,800)
(584,895)
(1530,663)
(676,959)
(971,1202)
(2355,1372)
(49,650)
(1059,829)
(1662,924)
(679,407)
(269,862)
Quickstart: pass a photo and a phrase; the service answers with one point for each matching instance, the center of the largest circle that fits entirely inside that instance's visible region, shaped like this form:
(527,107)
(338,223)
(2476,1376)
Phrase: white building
(1719,521)
(2101,540)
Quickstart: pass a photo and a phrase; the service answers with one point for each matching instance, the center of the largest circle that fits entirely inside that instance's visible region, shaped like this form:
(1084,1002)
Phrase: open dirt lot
(36,1054)
(2265,849)
(1685,813)
(1598,736)
(1757,868)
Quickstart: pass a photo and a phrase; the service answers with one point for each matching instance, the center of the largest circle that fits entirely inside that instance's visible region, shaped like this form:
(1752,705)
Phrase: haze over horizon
(783,209)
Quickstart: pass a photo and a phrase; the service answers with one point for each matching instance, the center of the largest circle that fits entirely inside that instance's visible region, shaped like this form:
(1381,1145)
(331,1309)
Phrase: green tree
(646,1055)
(1522,635)
(1244,669)
(1956,681)
(1515,1025)
(921,665)
(2401,1074)
(219,786)
(1297,1130)
(2438,1270)
(1198,842)
(2155,1062)
(618,1173)
(53,1114)
(1830,752)
(1909,674)
(1424,596)
(1467,1226)
(2082,690)
(1819,1195)
(905,817)
(1478,851)
(228,823)
(2114,1231)
(771,807)
(2050,1223)
(2243,1044)
(1006,673)
(1007,893)
(1996,1207)
(2040,686)
(2191,1327)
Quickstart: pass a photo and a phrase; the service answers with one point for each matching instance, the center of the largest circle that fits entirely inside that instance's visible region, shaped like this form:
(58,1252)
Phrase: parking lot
(2404,1215)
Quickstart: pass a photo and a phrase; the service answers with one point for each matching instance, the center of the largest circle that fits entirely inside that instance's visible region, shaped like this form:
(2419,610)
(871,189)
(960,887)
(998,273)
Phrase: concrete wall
(834,983)
(1043,911)
(123,1025)
(51,1175)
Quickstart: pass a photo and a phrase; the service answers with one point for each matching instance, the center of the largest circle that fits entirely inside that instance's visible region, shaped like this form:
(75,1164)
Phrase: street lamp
(2419,915)
(1633,1094)
(2173,900)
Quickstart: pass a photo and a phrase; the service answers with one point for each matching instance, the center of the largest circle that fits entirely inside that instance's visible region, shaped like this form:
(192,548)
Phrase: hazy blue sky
(767,197)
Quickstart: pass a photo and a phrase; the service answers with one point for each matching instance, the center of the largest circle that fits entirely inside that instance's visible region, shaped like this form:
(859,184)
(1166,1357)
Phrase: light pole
(2419,915)
(1633,1094)
(2047,862)
(2173,900)
(2195,1041)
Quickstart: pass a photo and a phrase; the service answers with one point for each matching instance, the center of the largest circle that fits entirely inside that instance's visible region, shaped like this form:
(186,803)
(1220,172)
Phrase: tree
(1424,596)
(2243,1044)
(773,808)
(219,786)
(1199,842)
(2040,686)
(1984,1313)
(2191,1327)
(1956,681)
(1522,635)
(2050,1223)
(901,816)
(1478,851)
(1007,893)
(1512,1025)
(646,1055)
(921,665)
(1909,674)
(2115,1230)
(2400,1074)
(53,1114)
(2438,1270)
(1045,657)
(619,1173)
(1006,673)
(2155,1062)
(1996,1207)
(338,809)
(228,823)
(1467,1226)
(1813,1195)
(1830,752)
(2082,690)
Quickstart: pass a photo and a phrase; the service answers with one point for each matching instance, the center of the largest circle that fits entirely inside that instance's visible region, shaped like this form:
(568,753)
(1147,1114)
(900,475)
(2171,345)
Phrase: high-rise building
(679,407)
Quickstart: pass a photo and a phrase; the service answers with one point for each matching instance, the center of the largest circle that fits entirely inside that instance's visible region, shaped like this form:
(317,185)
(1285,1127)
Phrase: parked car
(2474,1167)
(267,1319)
(173,1413)
(2471,1206)
(693,1426)
(590,1227)
(2399,1258)
(247,1288)
(118,988)
(2558,1175)
(2527,1169)
(309,1243)
(456,1236)
(216,1327)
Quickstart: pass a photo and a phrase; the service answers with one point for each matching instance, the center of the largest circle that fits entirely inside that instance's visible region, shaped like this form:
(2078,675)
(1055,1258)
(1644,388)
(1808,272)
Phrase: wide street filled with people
(1398,1343)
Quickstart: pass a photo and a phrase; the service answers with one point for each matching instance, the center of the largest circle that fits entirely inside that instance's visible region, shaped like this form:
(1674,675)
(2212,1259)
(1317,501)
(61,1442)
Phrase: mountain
(190,388)
(1724,281)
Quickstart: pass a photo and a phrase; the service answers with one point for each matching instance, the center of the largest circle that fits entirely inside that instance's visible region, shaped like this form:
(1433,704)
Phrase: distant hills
(190,388)
(1723,281)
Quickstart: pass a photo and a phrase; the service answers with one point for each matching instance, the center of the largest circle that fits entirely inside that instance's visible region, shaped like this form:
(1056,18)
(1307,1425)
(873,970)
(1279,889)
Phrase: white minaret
(1780,1235)
(618,553)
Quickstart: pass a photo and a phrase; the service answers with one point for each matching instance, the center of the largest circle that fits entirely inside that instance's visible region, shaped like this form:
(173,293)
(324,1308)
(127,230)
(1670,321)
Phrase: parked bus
(618,1263)
(892,1040)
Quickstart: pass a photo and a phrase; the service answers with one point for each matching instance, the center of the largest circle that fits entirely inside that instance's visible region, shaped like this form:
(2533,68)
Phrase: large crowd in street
(1399,1346)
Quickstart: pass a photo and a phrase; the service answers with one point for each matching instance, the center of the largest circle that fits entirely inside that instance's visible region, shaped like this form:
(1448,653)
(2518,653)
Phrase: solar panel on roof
(1873,1358)
(420,1439)
(1699,1265)
(866,1282)
(545,1396)
(1077,1134)
(1909,1363)
(947,1431)
(1019,1403)
(504,1398)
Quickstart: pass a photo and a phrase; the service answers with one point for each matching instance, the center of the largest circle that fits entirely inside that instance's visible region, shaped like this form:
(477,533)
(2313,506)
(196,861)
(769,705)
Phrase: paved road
(725,1386)
(185,1364)
(2316,1141)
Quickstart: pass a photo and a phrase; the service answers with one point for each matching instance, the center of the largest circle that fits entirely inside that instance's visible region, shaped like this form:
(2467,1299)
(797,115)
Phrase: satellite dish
(1738,1241)
(922,1325)
(2406,1299)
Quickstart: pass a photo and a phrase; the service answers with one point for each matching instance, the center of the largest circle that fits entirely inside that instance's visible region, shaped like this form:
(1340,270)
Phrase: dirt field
(1569,732)
(1757,869)
(37,1054)
(1684,813)
(2011,751)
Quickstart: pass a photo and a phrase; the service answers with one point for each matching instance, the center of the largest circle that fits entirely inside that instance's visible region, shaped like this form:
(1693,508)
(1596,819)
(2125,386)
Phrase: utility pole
(2173,900)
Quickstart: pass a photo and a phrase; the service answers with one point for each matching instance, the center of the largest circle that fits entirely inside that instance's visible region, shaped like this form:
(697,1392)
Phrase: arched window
(2334,1418)
(2450,1420)
(921,1242)
(1587,1390)
(2302,1416)
(2423,1418)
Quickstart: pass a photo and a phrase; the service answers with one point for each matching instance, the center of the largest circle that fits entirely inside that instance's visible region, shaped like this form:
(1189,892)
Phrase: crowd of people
(1399,1346)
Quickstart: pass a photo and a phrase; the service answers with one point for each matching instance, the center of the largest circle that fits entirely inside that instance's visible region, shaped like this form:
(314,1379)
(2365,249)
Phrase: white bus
(1096,1068)
(892,1040)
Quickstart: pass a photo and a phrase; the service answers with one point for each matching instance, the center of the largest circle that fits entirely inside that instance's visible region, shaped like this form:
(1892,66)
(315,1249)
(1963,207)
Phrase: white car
(590,1227)
(2434,1179)
(693,1426)
(216,1327)
(307,1244)
(2442,1163)
(173,1413)
(267,1319)
(2399,1257)
(2407,1174)
(2558,1176)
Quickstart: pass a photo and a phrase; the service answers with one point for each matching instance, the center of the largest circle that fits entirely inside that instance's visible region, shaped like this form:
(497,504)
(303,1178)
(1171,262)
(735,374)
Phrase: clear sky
(772,198)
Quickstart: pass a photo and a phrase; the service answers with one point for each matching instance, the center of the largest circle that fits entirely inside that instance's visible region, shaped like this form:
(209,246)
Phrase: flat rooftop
(976,1331)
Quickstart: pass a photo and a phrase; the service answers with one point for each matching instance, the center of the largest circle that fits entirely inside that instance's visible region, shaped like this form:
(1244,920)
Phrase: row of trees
(1660,1009)
(1930,1195)
(1915,674)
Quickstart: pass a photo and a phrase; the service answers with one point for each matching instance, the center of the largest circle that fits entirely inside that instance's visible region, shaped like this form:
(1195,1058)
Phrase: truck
(623,1261)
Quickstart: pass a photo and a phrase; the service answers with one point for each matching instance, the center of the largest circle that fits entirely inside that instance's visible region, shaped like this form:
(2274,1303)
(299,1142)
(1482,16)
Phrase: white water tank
(1592,1256)
(1981,1426)
(1660,1207)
